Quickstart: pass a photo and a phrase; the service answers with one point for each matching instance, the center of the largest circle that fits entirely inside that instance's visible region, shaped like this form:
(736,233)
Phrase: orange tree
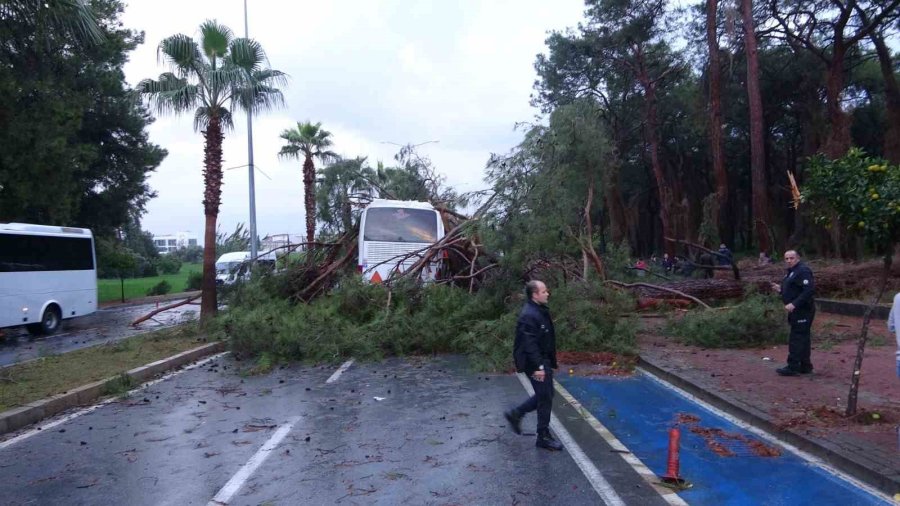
(863,192)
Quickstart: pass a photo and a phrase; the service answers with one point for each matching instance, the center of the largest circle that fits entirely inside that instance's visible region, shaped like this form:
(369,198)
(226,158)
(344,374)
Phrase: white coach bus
(390,229)
(47,274)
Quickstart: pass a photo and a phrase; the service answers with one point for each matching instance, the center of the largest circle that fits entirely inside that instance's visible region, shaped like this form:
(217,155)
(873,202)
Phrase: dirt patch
(583,363)
(725,444)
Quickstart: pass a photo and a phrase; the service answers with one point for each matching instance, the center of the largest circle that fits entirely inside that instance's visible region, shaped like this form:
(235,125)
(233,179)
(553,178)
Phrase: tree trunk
(122,286)
(863,337)
(309,198)
(892,100)
(715,123)
(590,254)
(618,223)
(837,141)
(760,197)
(212,198)
(652,133)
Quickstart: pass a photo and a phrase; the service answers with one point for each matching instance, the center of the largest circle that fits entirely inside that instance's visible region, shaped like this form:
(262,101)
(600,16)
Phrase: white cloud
(373,73)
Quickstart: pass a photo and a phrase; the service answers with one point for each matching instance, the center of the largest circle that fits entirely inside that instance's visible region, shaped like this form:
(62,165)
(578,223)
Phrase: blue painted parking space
(724,463)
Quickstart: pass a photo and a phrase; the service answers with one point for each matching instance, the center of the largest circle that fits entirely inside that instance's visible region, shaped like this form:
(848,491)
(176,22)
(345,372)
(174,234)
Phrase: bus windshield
(395,224)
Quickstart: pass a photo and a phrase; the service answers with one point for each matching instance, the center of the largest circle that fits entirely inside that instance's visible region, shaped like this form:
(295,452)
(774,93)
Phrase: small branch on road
(155,312)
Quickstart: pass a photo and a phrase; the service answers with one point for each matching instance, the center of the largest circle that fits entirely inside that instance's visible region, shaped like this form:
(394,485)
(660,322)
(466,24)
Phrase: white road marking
(237,481)
(593,475)
(670,496)
(337,374)
(769,437)
(46,426)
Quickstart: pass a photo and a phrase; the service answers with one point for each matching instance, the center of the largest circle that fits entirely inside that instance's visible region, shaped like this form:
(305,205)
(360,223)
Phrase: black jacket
(535,339)
(799,288)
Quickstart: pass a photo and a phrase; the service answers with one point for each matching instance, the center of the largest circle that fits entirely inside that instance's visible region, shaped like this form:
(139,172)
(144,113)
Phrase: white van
(235,266)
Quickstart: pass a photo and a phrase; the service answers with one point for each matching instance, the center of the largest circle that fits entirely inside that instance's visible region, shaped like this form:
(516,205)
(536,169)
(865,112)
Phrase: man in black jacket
(535,355)
(798,294)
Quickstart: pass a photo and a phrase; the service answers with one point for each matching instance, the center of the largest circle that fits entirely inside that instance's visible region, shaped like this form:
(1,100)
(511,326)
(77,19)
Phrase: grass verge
(41,378)
(111,289)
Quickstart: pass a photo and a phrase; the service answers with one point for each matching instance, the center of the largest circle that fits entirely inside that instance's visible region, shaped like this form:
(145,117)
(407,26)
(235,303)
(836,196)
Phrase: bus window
(391,224)
(36,253)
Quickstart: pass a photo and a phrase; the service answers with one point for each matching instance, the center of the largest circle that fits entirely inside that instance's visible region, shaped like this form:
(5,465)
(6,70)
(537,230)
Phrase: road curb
(36,411)
(860,469)
(849,308)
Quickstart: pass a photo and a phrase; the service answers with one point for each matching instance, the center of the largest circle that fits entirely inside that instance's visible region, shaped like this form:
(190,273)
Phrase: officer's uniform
(534,349)
(798,288)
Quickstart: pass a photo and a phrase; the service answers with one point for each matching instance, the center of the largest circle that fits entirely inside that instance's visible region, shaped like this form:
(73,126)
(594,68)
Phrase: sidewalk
(806,411)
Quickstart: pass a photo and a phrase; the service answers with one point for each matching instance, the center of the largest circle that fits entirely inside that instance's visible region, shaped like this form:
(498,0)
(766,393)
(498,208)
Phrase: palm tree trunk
(309,199)
(715,125)
(212,197)
(760,198)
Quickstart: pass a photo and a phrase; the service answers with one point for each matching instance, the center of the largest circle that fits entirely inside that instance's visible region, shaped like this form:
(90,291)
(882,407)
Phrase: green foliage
(863,191)
(341,187)
(194,281)
(168,264)
(756,321)
(73,146)
(239,240)
(113,259)
(360,320)
(188,254)
(161,288)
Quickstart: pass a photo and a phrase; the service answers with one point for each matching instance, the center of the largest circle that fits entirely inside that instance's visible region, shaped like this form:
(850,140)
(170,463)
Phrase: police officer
(535,354)
(798,294)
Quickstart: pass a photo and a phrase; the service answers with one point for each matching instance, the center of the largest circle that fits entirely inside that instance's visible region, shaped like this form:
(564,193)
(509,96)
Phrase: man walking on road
(535,355)
(798,294)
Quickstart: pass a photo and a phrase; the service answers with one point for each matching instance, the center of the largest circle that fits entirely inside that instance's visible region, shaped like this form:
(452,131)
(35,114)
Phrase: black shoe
(545,440)
(788,371)
(515,420)
(806,369)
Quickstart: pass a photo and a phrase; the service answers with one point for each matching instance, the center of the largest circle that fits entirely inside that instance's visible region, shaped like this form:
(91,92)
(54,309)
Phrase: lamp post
(253,249)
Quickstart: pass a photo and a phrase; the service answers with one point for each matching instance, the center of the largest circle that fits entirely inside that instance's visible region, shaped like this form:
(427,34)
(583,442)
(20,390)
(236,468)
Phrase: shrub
(168,264)
(756,321)
(161,288)
(194,281)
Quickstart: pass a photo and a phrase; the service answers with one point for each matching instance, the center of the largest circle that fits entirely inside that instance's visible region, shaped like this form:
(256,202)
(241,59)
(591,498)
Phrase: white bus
(392,228)
(47,274)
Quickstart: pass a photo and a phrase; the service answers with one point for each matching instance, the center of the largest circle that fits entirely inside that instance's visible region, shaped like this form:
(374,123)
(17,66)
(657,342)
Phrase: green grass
(111,289)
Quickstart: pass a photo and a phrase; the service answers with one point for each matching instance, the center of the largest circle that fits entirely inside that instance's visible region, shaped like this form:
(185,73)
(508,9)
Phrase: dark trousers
(799,342)
(542,401)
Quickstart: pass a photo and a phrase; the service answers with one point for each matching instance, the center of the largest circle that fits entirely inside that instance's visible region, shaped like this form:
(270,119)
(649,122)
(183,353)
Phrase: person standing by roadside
(894,326)
(798,294)
(534,352)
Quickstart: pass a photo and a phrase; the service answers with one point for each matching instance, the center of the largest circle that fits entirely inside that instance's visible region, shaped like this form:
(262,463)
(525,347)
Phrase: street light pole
(253,250)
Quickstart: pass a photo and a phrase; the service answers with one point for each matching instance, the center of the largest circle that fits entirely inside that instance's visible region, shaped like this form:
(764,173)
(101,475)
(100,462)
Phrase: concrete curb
(859,468)
(848,308)
(34,412)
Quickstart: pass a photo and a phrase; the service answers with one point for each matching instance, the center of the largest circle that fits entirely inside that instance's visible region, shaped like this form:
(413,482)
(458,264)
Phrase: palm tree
(311,141)
(212,78)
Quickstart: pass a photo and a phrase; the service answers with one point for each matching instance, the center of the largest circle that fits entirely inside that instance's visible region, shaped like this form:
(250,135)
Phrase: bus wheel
(50,322)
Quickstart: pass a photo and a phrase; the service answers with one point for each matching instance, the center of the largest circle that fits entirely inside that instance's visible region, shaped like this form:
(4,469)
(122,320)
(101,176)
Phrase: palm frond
(215,39)
(169,94)
(203,115)
(179,51)
(247,54)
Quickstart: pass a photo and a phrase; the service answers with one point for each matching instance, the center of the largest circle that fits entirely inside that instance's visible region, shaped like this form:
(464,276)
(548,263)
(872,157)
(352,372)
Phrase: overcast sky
(373,72)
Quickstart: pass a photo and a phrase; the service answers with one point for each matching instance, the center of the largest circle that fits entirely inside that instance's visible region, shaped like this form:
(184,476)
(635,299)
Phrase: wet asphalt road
(437,436)
(103,326)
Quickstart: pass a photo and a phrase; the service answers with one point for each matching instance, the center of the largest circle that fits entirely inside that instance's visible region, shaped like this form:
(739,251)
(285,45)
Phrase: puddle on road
(103,326)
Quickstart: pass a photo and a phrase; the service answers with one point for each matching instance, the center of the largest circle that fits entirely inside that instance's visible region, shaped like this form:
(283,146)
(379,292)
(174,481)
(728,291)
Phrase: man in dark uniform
(535,355)
(798,294)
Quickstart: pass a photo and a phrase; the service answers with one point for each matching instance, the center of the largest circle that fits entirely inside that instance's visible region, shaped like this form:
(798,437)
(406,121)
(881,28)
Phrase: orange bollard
(671,475)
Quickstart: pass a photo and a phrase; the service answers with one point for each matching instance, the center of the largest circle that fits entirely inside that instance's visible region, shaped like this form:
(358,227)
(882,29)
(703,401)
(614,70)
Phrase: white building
(273,241)
(168,243)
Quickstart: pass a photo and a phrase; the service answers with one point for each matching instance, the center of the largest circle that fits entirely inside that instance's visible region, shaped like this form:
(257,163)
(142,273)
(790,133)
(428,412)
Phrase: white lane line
(337,374)
(49,425)
(772,439)
(670,496)
(593,475)
(237,481)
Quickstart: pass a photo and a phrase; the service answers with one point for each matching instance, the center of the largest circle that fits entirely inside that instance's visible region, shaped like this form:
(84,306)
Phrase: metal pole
(253,250)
